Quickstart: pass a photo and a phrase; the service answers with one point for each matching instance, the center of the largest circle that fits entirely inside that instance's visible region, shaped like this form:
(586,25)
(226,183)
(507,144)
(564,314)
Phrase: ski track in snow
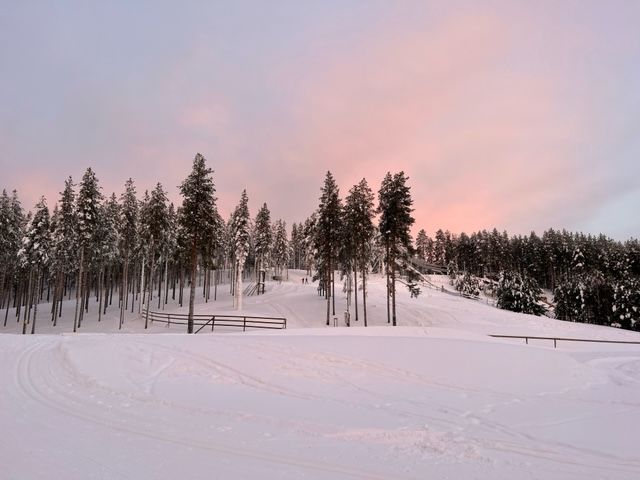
(42,390)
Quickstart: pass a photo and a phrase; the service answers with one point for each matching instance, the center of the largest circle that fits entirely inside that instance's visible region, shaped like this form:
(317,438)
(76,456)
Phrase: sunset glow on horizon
(516,115)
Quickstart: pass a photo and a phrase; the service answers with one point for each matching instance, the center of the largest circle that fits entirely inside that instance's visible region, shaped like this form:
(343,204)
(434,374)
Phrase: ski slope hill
(432,398)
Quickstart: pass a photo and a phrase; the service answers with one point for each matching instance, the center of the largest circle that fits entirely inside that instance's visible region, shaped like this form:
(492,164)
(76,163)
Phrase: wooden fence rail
(239,321)
(558,339)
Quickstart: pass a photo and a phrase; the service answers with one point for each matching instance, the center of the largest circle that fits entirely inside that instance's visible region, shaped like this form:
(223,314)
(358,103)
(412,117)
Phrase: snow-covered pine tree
(64,245)
(626,303)
(395,223)
(280,249)
(108,257)
(12,227)
(468,285)
(308,243)
(439,248)
(296,245)
(129,240)
(154,218)
(519,293)
(422,244)
(169,253)
(358,216)
(34,255)
(570,300)
(198,219)
(327,238)
(88,209)
(262,239)
(240,230)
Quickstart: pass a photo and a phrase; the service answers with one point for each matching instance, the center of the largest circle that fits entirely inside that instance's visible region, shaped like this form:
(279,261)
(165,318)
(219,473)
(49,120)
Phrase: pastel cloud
(515,116)
(483,145)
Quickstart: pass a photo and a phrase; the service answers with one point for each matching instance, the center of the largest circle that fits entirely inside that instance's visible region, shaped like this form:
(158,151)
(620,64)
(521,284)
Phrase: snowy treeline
(127,252)
(132,253)
(594,279)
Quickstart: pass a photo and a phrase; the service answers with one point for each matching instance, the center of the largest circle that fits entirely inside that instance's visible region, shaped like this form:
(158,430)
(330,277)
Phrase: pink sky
(512,116)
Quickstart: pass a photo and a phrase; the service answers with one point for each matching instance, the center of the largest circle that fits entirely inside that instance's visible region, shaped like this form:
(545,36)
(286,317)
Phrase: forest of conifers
(135,251)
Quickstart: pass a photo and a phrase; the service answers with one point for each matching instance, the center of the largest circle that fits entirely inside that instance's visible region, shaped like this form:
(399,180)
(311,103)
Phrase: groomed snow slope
(435,399)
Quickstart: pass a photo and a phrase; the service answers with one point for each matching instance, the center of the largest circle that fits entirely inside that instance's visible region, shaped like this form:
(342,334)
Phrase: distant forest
(124,251)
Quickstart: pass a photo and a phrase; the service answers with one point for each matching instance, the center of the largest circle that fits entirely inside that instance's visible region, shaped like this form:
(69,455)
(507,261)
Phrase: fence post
(526,340)
(213,322)
(244,324)
(554,342)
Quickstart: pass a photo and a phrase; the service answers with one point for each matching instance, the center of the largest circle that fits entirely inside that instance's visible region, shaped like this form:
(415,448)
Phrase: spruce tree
(327,238)
(88,210)
(519,293)
(262,242)
(626,303)
(155,224)
(359,232)
(240,231)
(108,258)
(35,256)
(64,245)
(280,250)
(128,235)
(422,244)
(198,219)
(395,223)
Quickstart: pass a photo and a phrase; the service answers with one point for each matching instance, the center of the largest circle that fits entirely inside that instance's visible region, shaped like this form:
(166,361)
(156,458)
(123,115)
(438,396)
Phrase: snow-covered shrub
(585,298)
(519,293)
(468,285)
(626,303)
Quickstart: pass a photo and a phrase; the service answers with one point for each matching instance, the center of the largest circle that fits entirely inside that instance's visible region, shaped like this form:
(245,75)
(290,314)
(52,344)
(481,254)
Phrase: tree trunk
(388,288)
(141,285)
(333,291)
(237,298)
(160,286)
(192,294)
(100,296)
(355,290)
(6,313)
(146,316)
(364,296)
(166,281)
(327,287)
(181,294)
(125,290)
(215,285)
(78,282)
(393,291)
(28,300)
(35,307)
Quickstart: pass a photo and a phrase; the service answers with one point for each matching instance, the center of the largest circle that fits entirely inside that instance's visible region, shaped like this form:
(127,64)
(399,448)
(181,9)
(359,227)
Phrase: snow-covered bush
(585,298)
(519,293)
(626,303)
(468,285)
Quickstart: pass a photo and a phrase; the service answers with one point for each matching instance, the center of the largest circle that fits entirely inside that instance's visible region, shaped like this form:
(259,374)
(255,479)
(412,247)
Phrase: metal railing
(202,321)
(564,339)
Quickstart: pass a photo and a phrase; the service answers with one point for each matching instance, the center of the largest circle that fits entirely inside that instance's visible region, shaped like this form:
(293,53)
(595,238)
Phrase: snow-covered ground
(433,398)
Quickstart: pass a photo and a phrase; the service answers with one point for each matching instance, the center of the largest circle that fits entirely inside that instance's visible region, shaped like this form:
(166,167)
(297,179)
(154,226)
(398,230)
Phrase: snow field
(435,398)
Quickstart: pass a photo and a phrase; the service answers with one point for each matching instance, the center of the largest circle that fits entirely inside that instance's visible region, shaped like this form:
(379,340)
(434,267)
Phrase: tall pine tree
(198,219)
(327,238)
(395,223)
